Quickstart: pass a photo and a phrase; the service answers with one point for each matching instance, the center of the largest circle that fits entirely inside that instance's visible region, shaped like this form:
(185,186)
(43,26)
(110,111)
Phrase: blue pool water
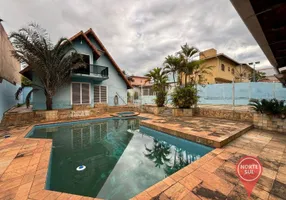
(112,158)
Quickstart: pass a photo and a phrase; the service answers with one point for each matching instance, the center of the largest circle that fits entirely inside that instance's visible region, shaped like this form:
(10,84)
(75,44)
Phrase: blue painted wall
(7,96)
(23,95)
(62,99)
(222,93)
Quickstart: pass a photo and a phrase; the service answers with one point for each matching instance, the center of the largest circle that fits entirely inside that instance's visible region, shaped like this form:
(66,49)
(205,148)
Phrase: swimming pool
(121,158)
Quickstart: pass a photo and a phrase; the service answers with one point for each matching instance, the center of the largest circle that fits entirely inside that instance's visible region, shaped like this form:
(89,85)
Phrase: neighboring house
(269,79)
(102,82)
(144,90)
(141,86)
(225,69)
(9,73)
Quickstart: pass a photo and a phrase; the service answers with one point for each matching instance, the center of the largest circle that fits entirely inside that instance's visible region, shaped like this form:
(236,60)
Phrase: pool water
(121,161)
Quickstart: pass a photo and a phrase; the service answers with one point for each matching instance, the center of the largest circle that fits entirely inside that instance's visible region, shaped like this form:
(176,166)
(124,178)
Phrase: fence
(228,93)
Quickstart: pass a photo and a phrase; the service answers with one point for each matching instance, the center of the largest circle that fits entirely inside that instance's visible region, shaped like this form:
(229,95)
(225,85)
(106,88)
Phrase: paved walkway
(208,131)
(214,177)
(24,165)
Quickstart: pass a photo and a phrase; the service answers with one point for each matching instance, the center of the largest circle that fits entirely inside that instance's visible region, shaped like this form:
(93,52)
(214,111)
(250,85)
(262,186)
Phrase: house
(102,82)
(225,69)
(9,73)
(141,86)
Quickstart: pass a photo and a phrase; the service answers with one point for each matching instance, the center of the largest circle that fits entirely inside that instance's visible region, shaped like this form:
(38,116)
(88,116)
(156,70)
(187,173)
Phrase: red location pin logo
(249,171)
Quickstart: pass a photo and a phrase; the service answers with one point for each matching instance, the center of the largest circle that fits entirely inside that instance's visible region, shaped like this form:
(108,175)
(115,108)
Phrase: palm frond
(28,97)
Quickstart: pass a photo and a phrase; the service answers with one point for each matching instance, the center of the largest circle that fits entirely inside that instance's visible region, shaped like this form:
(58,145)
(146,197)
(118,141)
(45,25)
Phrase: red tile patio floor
(24,165)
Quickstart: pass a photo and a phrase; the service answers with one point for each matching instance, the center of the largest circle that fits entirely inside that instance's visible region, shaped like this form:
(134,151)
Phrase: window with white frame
(100,94)
(80,93)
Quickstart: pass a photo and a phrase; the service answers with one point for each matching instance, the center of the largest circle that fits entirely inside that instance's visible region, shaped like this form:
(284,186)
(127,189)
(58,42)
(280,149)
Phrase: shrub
(185,97)
(269,107)
(160,98)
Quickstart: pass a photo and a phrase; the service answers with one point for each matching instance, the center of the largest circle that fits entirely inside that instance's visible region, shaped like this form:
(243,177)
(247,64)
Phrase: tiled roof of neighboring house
(222,55)
(269,79)
(96,51)
(140,81)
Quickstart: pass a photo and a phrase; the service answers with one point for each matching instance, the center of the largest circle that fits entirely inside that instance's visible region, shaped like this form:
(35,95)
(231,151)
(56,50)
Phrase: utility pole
(253,74)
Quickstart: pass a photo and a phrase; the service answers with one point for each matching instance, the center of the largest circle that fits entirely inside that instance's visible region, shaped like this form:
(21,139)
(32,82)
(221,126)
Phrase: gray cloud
(139,34)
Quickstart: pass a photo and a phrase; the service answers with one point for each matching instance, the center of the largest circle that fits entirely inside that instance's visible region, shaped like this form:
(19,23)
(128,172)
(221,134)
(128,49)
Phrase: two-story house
(101,82)
(225,69)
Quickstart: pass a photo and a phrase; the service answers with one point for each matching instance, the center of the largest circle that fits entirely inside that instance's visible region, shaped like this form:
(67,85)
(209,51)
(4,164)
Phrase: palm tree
(191,68)
(159,78)
(172,64)
(51,64)
(159,153)
(199,72)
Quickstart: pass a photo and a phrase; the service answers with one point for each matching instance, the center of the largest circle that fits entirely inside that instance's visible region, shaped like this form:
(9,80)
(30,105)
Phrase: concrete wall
(217,94)
(9,66)
(7,96)
(115,84)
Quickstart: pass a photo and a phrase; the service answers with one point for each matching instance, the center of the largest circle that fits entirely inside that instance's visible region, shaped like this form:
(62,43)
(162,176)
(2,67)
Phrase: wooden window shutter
(76,93)
(96,94)
(103,94)
(85,92)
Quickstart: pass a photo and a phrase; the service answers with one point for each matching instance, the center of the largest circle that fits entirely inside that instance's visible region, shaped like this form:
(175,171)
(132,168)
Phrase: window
(244,74)
(80,93)
(222,67)
(146,92)
(232,71)
(229,69)
(100,94)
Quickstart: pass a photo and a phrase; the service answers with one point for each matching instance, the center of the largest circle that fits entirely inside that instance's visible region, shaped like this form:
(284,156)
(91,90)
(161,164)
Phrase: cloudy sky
(139,34)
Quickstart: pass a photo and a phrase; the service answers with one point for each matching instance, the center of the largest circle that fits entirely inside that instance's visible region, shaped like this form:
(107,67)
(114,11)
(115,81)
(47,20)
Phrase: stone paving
(214,175)
(24,165)
(209,131)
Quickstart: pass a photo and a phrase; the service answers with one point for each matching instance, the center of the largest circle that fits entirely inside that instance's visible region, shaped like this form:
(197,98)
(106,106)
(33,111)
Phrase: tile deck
(24,166)
(214,175)
(208,131)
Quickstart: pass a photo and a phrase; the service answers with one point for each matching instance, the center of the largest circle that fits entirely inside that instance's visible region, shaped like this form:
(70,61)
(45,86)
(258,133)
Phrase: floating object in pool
(125,114)
(81,168)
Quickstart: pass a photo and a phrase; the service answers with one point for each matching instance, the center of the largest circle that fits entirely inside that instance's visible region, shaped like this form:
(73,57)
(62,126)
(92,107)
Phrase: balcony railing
(99,70)
(93,70)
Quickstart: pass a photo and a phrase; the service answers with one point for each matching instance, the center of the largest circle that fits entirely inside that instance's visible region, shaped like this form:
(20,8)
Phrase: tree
(192,69)
(258,76)
(159,78)
(51,64)
(172,64)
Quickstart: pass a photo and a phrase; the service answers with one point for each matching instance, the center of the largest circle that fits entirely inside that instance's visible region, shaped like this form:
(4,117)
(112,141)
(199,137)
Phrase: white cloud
(139,34)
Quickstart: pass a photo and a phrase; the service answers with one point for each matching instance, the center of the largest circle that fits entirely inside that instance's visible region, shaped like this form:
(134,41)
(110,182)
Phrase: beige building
(9,66)
(225,69)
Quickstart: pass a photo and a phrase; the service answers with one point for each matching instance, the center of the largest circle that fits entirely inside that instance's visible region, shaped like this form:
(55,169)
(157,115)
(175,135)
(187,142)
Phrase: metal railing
(93,69)
(99,70)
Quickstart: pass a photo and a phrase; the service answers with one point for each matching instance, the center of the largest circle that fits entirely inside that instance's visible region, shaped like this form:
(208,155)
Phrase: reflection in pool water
(121,160)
